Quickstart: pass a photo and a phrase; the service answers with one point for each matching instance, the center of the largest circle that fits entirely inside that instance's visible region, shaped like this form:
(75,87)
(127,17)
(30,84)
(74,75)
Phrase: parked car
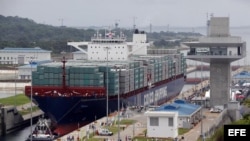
(215,110)
(104,132)
(239,96)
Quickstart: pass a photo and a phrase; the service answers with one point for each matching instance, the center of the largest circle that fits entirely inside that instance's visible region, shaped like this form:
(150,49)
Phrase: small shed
(162,124)
(189,114)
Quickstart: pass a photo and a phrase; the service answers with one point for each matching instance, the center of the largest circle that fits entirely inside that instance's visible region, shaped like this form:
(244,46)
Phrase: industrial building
(23,55)
(24,71)
(242,78)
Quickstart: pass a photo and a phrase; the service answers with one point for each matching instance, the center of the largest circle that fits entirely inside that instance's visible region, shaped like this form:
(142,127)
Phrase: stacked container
(113,80)
(86,76)
(128,77)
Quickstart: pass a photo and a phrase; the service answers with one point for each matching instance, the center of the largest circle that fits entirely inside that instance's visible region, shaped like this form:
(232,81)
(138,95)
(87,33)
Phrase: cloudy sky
(188,13)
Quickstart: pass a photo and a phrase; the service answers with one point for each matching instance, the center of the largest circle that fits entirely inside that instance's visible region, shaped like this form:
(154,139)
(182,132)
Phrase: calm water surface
(18,135)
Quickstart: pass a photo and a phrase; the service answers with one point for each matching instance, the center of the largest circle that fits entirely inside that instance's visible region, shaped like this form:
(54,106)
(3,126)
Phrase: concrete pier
(220,81)
(11,120)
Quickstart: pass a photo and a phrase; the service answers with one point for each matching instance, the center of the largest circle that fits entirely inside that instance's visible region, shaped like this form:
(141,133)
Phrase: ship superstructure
(113,48)
(75,91)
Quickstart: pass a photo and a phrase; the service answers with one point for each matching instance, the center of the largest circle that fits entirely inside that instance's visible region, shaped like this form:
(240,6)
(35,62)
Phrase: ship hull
(78,110)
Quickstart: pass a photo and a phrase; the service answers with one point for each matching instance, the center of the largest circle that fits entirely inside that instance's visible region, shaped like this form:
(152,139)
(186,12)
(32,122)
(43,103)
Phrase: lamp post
(107,101)
(118,103)
(15,81)
(15,77)
(31,98)
(202,136)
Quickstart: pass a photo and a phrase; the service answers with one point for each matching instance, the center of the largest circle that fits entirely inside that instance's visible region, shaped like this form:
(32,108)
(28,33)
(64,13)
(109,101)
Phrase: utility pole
(107,92)
(31,97)
(134,26)
(116,23)
(118,104)
(61,22)
(202,136)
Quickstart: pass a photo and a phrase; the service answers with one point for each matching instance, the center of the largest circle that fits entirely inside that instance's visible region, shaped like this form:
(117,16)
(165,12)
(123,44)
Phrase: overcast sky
(188,13)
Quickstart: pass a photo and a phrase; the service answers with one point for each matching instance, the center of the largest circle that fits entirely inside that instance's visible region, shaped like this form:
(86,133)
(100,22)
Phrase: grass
(182,131)
(140,137)
(27,111)
(113,128)
(127,122)
(17,100)
(91,135)
(151,139)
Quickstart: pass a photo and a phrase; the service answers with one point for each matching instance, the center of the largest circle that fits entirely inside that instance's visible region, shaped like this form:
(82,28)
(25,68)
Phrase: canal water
(20,135)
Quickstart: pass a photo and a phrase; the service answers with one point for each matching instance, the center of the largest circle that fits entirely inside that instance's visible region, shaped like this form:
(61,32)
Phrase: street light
(15,80)
(31,97)
(107,105)
(15,77)
(202,136)
(118,106)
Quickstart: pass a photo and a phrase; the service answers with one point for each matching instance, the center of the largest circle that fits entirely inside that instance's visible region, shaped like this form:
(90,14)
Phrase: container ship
(73,93)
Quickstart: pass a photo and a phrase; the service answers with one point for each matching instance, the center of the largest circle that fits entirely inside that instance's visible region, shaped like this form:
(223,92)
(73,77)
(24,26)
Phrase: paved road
(206,126)
(132,130)
(135,129)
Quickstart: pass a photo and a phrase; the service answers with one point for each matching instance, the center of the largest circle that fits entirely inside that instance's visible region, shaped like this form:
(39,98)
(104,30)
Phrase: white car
(104,132)
(215,110)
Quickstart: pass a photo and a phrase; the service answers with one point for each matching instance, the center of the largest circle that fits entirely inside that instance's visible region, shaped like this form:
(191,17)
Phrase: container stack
(128,77)
(183,64)
(156,70)
(131,80)
(164,67)
(138,75)
(151,71)
(124,81)
(86,76)
(75,76)
(48,76)
(171,68)
(113,80)
(180,64)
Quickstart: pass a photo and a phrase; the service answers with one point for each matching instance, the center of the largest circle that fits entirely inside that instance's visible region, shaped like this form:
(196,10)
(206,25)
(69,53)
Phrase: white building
(188,114)
(23,55)
(162,124)
(24,71)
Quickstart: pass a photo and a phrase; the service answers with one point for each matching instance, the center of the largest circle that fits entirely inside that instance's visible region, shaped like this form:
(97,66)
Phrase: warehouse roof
(243,74)
(19,49)
(181,106)
(35,64)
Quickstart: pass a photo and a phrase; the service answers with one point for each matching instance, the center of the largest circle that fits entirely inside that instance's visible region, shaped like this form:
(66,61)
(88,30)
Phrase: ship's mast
(64,72)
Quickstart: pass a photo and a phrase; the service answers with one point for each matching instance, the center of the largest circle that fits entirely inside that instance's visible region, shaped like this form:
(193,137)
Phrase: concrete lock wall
(10,119)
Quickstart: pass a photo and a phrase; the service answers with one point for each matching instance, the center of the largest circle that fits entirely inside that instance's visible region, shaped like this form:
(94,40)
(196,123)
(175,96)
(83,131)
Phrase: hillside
(23,32)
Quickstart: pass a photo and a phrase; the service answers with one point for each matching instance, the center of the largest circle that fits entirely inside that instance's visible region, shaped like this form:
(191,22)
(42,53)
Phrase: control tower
(219,49)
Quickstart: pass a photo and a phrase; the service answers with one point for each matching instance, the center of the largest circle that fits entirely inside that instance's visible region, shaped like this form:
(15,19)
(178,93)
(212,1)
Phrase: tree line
(23,32)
